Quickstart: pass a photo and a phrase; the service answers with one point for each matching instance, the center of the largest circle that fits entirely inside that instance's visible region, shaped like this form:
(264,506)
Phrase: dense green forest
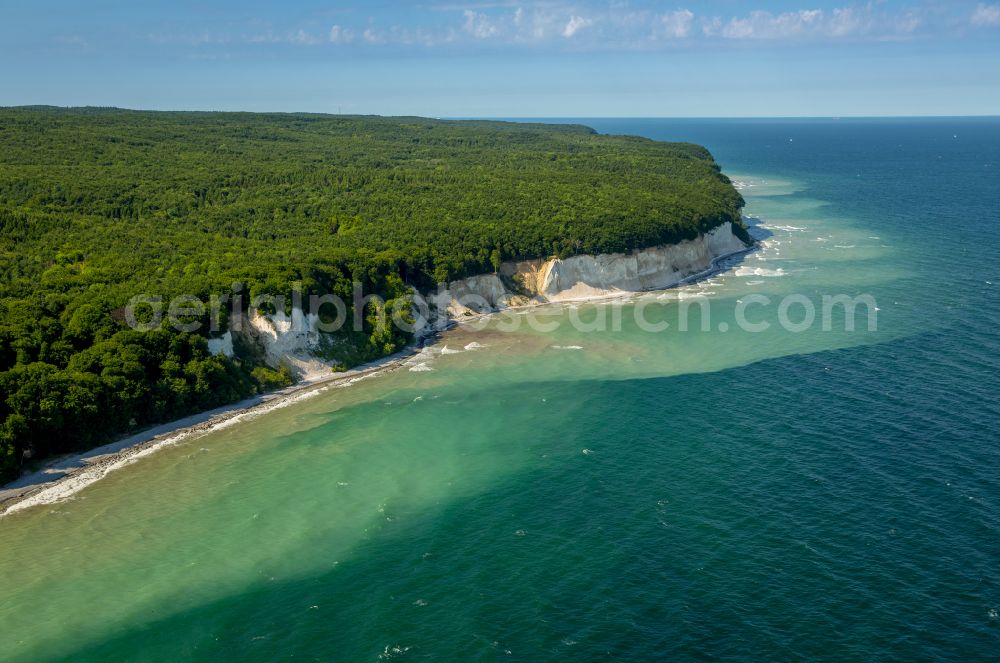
(99,205)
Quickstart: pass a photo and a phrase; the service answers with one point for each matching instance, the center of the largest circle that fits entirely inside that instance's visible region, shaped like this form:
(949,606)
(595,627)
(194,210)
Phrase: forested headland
(99,205)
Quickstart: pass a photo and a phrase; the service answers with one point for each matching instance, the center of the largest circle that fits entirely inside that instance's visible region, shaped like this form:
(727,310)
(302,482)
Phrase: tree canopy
(99,205)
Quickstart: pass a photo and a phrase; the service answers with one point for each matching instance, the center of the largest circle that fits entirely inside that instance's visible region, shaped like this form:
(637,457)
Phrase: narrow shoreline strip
(63,477)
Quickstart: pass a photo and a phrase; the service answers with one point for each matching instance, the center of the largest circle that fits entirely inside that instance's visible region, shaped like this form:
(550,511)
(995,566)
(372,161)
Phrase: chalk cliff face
(282,339)
(294,340)
(222,345)
(586,276)
(479,294)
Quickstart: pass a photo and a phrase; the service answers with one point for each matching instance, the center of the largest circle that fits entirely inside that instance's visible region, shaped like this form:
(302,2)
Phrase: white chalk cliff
(222,345)
(286,340)
(294,340)
(587,276)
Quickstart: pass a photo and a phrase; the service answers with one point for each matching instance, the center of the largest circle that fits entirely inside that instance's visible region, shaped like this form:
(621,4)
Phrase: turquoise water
(611,494)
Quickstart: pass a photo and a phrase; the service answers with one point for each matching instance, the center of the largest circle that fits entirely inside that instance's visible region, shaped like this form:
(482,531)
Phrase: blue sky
(523,58)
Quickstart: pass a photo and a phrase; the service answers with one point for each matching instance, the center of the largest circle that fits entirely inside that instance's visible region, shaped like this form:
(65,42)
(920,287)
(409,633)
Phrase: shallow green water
(605,494)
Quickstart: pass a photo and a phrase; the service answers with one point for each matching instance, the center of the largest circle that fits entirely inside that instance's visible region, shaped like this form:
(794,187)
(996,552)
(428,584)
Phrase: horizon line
(511,117)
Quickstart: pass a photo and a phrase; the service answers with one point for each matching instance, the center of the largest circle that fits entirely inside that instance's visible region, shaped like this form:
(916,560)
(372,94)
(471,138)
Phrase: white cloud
(847,22)
(341,35)
(986,16)
(543,24)
(479,25)
(300,37)
(630,24)
(303,37)
(765,25)
(575,24)
(677,24)
(907,23)
(74,40)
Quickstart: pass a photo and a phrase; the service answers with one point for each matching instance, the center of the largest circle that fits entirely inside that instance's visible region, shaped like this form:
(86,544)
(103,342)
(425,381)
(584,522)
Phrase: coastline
(715,267)
(61,478)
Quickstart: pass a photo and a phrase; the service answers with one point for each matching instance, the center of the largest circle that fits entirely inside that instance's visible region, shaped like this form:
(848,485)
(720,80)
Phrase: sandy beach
(62,477)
